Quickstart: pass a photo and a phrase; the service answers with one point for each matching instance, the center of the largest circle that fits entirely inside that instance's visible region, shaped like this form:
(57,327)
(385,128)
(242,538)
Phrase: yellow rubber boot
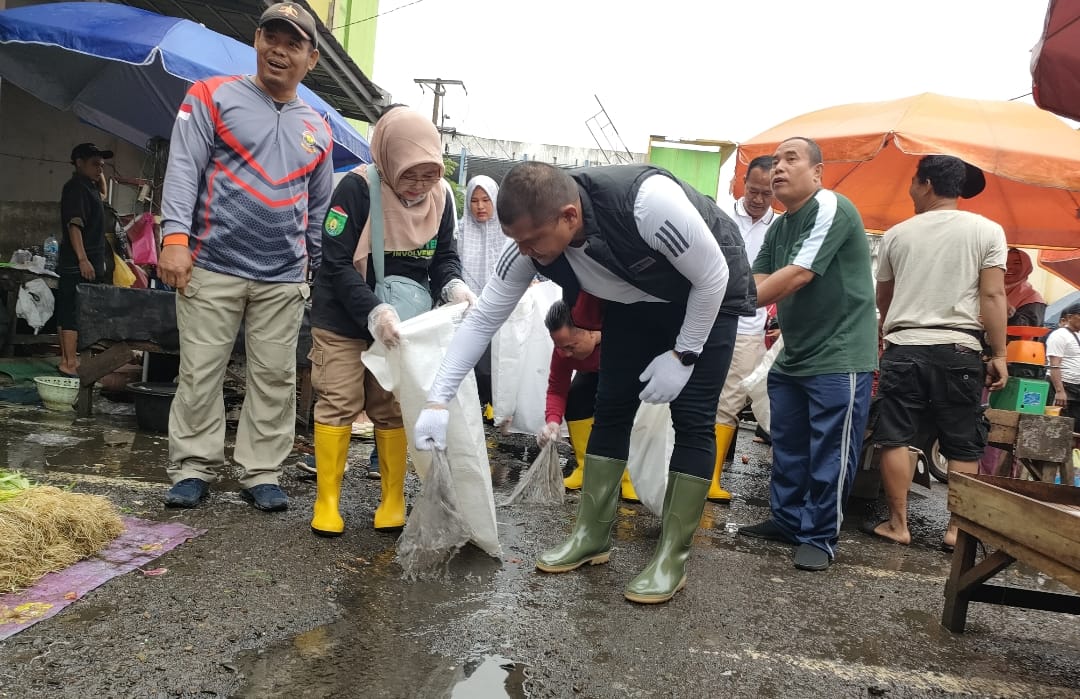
(724,435)
(628,492)
(331,450)
(579,440)
(392,450)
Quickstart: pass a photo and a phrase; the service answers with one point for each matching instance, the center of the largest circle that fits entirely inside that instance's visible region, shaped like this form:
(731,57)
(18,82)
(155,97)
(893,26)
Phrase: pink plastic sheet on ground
(141,542)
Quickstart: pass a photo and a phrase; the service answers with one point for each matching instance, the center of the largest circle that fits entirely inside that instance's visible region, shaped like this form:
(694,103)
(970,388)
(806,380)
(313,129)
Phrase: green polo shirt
(830,325)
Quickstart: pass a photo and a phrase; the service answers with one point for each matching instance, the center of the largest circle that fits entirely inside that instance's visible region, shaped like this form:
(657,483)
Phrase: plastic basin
(58,392)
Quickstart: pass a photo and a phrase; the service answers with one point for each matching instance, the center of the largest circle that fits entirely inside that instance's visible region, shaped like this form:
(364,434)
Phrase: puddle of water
(491,677)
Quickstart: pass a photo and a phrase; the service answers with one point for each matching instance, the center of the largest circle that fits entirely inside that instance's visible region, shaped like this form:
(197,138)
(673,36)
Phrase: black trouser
(482,371)
(581,400)
(634,334)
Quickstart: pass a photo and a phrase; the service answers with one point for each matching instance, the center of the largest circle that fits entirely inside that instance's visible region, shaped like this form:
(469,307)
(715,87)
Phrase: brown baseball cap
(295,15)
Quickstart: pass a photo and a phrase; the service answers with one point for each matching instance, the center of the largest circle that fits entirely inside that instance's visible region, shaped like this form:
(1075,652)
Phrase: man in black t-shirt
(82,244)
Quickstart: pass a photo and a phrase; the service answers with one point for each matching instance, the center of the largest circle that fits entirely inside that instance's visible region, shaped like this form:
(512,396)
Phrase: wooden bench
(1035,523)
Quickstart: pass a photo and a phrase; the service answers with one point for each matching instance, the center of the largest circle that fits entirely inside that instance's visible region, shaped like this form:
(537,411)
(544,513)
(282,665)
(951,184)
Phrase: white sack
(761,372)
(408,370)
(521,359)
(652,440)
(35,304)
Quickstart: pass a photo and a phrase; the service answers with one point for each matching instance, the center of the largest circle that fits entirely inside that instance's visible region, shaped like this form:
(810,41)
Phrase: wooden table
(11,280)
(1042,443)
(1035,523)
(114,321)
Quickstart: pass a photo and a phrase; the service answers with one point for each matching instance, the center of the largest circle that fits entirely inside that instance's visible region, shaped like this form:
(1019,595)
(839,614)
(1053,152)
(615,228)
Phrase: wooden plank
(1044,438)
(986,569)
(1003,426)
(1024,520)
(954,614)
(1027,599)
(1044,492)
(1055,569)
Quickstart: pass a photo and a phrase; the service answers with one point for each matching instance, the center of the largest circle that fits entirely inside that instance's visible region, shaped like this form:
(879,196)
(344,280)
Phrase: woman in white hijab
(480,242)
(480,237)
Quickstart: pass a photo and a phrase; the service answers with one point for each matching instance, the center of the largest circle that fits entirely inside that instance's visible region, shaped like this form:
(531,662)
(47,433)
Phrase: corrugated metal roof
(336,78)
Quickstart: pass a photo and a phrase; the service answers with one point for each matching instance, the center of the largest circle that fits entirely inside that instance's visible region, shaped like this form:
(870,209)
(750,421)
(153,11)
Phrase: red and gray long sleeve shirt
(248,182)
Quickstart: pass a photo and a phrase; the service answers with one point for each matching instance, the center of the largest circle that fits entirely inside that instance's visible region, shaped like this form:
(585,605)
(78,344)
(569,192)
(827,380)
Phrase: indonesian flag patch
(335,221)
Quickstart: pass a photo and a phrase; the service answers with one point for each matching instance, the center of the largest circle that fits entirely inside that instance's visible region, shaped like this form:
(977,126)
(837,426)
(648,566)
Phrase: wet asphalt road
(258,607)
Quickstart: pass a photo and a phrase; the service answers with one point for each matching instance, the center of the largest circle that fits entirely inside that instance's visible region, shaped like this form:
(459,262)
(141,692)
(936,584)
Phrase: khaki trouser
(208,316)
(749,351)
(344,387)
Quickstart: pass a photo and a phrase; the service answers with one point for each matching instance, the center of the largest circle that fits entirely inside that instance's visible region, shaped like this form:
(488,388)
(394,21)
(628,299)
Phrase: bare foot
(68,369)
(950,537)
(886,531)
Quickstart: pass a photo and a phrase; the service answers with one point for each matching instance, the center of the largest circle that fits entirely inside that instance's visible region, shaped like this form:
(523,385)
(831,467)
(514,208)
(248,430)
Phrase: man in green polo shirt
(815,266)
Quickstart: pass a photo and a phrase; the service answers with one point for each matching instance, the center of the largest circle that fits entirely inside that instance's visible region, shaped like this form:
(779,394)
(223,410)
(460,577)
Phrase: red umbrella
(1055,60)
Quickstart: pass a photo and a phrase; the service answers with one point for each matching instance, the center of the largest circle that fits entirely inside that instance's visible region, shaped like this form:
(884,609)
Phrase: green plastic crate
(1022,396)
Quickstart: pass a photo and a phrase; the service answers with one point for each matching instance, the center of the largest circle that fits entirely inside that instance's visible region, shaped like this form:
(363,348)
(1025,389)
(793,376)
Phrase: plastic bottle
(51,249)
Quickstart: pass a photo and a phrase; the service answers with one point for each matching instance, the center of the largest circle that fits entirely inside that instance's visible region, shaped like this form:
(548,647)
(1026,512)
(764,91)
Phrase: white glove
(457,291)
(549,434)
(430,430)
(382,323)
(665,378)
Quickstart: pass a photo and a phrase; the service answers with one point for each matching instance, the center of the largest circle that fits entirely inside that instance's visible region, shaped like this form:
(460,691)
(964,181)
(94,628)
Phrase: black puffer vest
(612,239)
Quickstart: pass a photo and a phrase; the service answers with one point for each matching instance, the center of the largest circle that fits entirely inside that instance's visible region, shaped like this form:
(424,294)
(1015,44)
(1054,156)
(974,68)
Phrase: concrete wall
(35,146)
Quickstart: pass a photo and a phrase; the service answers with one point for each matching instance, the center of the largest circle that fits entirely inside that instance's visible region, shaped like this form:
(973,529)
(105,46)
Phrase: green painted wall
(358,39)
(698,168)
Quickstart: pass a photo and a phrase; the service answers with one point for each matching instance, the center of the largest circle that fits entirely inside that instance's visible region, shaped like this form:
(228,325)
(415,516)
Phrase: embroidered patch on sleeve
(334,224)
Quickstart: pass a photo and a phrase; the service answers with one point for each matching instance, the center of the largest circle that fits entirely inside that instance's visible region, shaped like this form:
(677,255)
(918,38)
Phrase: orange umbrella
(1064,264)
(1030,157)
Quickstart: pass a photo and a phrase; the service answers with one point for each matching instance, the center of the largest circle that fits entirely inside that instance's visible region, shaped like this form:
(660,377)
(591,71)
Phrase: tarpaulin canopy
(125,70)
(1055,60)
(1030,157)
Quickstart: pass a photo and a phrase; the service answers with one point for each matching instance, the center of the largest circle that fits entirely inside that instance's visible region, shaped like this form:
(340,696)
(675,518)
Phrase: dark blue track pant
(817,431)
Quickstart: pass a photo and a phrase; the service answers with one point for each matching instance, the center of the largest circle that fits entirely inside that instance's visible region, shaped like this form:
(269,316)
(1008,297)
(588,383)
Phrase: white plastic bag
(521,360)
(542,483)
(652,440)
(761,372)
(436,529)
(35,304)
(407,371)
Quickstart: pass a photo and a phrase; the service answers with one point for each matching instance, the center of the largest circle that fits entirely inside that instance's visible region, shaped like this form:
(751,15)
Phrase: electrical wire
(368,19)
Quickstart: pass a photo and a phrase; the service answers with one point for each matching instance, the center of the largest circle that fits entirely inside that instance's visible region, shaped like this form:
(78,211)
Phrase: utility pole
(438,87)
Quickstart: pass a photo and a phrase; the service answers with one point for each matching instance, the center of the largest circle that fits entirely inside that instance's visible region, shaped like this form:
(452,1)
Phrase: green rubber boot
(666,573)
(590,539)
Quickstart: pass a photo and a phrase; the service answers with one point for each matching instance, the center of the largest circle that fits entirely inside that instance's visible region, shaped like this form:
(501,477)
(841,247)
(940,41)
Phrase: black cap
(89,150)
(974,182)
(1071,310)
(295,15)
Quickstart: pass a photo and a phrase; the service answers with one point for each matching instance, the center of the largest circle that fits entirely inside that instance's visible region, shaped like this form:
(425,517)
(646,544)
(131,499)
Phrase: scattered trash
(154,571)
(542,483)
(745,459)
(731,527)
(71,596)
(436,529)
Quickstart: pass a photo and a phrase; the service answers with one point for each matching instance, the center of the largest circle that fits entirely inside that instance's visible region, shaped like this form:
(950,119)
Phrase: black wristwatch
(687,358)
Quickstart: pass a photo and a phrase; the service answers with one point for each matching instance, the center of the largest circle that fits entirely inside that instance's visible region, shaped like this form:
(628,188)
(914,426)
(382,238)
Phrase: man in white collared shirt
(754,213)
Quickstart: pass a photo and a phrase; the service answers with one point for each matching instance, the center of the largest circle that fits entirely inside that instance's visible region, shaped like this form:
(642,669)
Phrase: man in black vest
(673,272)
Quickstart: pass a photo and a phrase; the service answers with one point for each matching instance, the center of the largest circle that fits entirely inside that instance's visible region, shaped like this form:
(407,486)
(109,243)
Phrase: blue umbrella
(126,70)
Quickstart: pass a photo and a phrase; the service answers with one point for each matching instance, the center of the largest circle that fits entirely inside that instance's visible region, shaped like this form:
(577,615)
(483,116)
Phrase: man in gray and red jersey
(246,190)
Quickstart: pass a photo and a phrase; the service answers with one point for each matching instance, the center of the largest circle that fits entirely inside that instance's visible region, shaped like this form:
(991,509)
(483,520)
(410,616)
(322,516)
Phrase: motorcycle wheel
(937,464)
